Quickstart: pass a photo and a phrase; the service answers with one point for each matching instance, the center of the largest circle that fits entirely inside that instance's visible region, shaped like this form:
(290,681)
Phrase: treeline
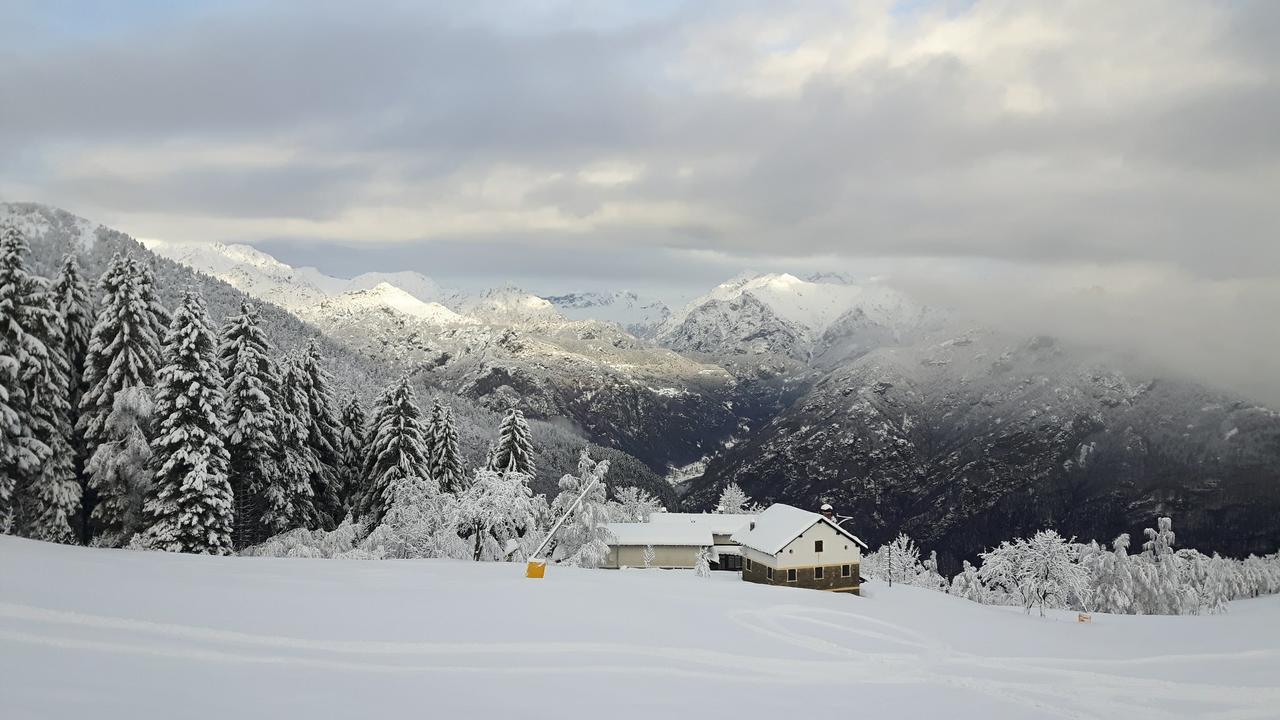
(135,427)
(1050,571)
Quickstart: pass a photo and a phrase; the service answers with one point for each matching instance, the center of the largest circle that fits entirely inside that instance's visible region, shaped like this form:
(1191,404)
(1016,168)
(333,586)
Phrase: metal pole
(551,533)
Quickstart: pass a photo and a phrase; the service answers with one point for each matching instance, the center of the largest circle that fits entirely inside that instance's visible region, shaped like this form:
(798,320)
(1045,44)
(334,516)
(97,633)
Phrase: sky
(1106,170)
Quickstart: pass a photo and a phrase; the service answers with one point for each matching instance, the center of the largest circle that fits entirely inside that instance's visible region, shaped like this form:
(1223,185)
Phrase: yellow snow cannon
(537,568)
(537,564)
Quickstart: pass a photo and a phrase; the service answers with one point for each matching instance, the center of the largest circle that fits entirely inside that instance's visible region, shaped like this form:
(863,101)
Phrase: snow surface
(121,634)
(390,296)
(642,533)
(718,523)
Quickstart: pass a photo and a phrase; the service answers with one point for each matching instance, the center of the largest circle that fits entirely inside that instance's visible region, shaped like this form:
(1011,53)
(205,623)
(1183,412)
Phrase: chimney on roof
(827,511)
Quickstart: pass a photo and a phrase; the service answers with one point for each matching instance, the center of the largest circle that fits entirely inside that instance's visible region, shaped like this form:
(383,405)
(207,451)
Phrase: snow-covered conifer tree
(351,450)
(38,490)
(296,460)
(51,493)
(897,561)
(396,462)
(323,436)
(733,500)
(17,444)
(115,410)
(446,459)
(514,450)
(583,540)
(72,298)
(251,418)
(190,505)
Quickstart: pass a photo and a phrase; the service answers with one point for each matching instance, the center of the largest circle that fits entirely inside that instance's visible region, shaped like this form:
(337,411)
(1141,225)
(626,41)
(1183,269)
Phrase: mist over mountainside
(809,390)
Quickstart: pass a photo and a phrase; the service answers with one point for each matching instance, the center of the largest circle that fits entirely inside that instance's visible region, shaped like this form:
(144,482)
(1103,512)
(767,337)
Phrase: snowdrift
(120,634)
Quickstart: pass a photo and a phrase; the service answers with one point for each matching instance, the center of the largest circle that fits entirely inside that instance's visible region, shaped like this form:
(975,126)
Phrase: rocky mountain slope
(980,437)
(825,388)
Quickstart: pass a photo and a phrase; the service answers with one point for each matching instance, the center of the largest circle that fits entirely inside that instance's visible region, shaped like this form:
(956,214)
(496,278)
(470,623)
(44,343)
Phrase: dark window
(817,573)
(768,572)
(791,575)
(817,546)
(748,562)
(844,571)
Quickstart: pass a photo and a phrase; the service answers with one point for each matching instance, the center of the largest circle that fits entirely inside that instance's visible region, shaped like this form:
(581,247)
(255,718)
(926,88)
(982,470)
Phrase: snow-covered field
(120,634)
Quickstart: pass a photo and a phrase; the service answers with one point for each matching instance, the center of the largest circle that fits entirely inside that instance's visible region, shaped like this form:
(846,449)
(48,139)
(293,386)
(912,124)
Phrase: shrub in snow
(702,564)
(968,585)
(648,556)
(1043,571)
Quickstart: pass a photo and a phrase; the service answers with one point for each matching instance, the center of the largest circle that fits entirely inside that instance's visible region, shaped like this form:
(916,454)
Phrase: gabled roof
(659,534)
(718,523)
(779,525)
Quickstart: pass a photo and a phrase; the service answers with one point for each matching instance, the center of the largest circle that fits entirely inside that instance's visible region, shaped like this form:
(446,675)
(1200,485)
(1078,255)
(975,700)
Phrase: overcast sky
(1108,168)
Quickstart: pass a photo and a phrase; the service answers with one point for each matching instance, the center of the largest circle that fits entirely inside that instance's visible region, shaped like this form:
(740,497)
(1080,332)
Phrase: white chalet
(785,545)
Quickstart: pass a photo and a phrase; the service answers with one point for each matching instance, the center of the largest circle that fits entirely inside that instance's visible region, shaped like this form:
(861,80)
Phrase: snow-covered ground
(120,634)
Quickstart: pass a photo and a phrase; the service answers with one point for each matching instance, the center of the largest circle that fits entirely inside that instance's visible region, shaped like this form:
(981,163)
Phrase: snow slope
(119,634)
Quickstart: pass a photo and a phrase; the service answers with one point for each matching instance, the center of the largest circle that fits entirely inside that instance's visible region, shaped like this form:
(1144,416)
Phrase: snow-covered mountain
(780,315)
(638,315)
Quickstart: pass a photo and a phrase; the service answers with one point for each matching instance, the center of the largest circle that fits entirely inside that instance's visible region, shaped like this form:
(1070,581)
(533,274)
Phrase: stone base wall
(830,580)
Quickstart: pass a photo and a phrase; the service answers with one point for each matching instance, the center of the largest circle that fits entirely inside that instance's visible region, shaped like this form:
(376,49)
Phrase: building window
(768,572)
(748,562)
(791,575)
(817,573)
(817,546)
(844,571)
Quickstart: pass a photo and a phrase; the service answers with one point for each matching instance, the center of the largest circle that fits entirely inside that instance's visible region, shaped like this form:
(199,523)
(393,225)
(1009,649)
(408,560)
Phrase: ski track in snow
(844,645)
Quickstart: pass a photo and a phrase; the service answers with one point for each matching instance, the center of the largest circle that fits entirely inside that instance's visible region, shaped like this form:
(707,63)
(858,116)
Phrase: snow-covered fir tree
(583,540)
(297,461)
(446,457)
(351,451)
(323,436)
(71,294)
(115,410)
(632,504)
(251,419)
(702,563)
(396,463)
(17,446)
(190,507)
(50,498)
(648,556)
(514,449)
(39,494)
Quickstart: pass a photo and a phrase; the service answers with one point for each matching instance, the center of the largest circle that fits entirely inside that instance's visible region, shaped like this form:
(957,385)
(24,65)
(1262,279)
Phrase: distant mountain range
(826,388)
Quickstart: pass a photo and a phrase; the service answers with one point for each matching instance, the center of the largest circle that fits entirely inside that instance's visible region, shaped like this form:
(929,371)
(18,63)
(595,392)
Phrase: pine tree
(733,500)
(251,417)
(115,409)
(38,491)
(351,448)
(72,297)
(190,507)
(323,437)
(396,461)
(51,494)
(446,459)
(17,456)
(514,451)
(296,460)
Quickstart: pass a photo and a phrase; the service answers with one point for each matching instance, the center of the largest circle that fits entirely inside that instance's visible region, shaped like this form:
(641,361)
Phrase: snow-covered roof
(659,534)
(779,525)
(718,523)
